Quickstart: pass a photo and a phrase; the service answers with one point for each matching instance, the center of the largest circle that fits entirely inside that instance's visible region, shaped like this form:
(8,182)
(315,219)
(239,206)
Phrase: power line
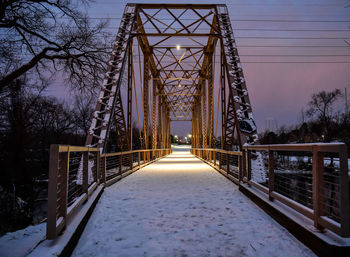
(295,55)
(246,29)
(246,20)
(276,46)
(340,4)
(264,62)
(278,55)
(333,38)
(297,62)
(290,20)
(291,46)
(293,30)
(254,29)
(258,37)
(263,37)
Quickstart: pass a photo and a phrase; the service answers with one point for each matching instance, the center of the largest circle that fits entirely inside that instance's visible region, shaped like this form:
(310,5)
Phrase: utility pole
(346,103)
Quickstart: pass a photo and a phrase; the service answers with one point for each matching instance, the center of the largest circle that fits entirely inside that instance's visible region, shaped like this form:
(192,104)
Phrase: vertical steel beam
(129,119)
(159,123)
(198,123)
(146,78)
(223,99)
(211,102)
(168,128)
(200,132)
(163,123)
(204,112)
(154,116)
(194,135)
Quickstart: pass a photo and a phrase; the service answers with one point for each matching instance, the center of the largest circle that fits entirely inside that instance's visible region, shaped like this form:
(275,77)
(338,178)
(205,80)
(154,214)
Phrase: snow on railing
(75,172)
(313,179)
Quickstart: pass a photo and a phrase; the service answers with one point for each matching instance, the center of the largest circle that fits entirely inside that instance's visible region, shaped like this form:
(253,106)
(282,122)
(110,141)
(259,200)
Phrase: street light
(189,135)
(178,47)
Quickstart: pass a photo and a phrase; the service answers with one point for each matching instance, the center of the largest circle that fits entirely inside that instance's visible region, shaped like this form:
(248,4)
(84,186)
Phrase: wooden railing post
(120,163)
(344,192)
(244,166)
(104,169)
(248,165)
(240,169)
(52,192)
(317,185)
(271,174)
(228,163)
(214,158)
(139,158)
(131,160)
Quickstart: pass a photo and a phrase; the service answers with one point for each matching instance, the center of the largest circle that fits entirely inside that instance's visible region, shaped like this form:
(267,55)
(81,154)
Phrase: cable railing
(75,173)
(117,165)
(312,179)
(229,163)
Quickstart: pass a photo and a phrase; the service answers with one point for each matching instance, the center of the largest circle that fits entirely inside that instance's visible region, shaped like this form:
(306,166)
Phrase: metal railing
(230,163)
(312,179)
(75,172)
(115,165)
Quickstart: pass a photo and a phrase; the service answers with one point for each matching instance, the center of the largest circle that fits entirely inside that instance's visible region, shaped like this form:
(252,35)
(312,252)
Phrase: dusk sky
(282,81)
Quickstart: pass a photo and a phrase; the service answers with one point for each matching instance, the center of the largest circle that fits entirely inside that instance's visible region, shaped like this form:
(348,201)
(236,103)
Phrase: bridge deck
(180,206)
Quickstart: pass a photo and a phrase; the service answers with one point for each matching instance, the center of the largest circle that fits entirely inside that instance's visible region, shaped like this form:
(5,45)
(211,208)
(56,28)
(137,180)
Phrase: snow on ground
(179,206)
(21,242)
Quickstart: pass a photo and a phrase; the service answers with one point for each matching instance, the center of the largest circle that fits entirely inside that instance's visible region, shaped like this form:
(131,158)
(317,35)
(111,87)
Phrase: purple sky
(277,90)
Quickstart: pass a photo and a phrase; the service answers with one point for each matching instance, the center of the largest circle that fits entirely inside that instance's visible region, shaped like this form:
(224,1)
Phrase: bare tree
(44,35)
(83,107)
(321,105)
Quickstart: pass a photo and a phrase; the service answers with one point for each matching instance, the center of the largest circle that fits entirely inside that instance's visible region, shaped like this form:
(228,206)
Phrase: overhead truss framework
(180,44)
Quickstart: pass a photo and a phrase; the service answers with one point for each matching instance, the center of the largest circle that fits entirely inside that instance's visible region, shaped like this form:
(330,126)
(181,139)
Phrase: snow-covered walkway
(180,206)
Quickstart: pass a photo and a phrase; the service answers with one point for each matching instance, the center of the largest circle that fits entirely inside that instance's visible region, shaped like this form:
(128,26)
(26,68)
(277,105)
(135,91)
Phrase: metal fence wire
(233,165)
(112,166)
(75,178)
(293,176)
(330,195)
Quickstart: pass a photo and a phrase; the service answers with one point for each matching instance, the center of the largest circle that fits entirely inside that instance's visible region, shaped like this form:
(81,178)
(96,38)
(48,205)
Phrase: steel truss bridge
(177,80)
(179,62)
